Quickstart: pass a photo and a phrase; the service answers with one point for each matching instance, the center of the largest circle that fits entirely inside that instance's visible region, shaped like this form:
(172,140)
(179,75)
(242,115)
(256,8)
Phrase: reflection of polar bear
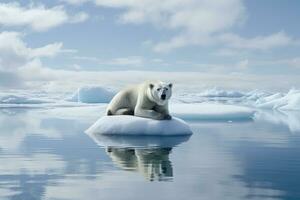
(123,157)
(153,163)
(149,100)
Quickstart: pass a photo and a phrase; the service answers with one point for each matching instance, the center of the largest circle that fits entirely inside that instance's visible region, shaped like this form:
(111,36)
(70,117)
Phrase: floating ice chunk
(210,111)
(289,101)
(254,95)
(132,125)
(92,94)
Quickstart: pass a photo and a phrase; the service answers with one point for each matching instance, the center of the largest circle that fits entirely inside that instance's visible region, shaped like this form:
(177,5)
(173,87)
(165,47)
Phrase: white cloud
(194,20)
(243,64)
(46,51)
(191,15)
(236,45)
(260,42)
(38,18)
(75,2)
(10,80)
(228,52)
(129,61)
(22,65)
(183,40)
(36,76)
(80,17)
(230,41)
(293,62)
(133,61)
(125,61)
(86,58)
(15,53)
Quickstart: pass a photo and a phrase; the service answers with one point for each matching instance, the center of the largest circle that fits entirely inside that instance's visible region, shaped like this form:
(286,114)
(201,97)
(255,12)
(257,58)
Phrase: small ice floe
(138,141)
(132,125)
(211,111)
(92,94)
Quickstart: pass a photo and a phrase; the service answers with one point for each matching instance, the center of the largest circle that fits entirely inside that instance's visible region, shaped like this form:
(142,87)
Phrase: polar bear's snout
(163,92)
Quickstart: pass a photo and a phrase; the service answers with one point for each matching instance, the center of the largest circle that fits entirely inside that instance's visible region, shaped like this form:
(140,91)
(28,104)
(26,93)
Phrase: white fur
(149,100)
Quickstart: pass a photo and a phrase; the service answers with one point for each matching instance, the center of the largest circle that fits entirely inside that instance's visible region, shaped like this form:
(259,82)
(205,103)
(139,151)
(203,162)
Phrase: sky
(63,44)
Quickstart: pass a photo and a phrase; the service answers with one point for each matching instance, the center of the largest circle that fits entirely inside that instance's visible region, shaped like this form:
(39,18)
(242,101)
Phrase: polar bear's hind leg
(124,111)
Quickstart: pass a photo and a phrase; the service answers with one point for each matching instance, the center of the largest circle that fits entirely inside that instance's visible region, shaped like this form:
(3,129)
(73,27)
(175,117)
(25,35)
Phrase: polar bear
(148,99)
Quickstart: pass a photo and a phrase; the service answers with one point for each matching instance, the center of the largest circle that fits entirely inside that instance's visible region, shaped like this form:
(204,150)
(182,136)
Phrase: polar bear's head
(161,92)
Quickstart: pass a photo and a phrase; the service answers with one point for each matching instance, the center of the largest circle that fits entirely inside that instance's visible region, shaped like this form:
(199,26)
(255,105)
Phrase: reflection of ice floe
(210,111)
(148,155)
(291,119)
(131,125)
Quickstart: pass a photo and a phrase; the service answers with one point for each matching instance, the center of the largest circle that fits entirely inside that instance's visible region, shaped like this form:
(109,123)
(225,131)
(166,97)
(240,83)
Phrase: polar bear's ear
(151,85)
(170,85)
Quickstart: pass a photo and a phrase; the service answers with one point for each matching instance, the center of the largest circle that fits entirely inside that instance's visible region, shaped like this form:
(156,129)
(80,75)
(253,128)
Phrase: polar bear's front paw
(160,117)
(167,117)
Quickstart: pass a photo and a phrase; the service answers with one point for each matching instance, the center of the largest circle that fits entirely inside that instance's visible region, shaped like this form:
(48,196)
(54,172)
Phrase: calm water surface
(45,154)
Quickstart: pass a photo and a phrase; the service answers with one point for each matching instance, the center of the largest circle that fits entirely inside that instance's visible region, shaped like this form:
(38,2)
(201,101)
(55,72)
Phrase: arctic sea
(45,154)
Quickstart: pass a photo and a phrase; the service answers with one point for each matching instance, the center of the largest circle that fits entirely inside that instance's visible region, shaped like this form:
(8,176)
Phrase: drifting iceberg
(92,94)
(289,101)
(132,125)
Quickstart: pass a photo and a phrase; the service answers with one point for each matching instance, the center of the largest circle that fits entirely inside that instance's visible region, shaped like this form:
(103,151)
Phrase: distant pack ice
(211,111)
(132,125)
(11,98)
